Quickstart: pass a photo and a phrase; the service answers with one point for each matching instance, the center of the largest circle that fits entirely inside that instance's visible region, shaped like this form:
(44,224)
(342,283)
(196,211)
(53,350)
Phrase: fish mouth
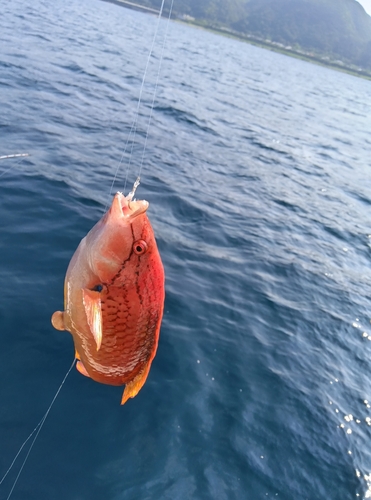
(126,208)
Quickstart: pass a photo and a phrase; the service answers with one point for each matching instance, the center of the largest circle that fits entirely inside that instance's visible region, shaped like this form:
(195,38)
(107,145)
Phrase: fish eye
(140,247)
(97,288)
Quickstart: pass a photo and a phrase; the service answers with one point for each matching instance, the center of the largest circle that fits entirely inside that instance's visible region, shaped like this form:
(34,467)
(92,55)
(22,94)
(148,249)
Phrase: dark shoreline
(133,6)
(253,40)
(280,48)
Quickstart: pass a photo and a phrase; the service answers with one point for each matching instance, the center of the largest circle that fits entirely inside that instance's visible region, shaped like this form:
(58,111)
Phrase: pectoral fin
(132,388)
(93,312)
(58,320)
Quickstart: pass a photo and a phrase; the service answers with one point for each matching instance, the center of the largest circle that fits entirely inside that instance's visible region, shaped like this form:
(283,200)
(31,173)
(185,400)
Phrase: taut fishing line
(21,156)
(36,430)
(135,121)
(133,129)
(155,91)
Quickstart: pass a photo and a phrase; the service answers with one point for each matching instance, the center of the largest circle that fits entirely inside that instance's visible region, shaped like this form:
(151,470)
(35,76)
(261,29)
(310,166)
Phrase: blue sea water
(257,170)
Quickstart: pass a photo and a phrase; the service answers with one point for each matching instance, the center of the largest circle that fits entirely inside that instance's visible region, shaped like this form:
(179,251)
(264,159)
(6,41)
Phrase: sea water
(257,171)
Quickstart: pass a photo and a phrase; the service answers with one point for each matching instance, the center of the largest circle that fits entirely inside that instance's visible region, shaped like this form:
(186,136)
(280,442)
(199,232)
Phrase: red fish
(113,297)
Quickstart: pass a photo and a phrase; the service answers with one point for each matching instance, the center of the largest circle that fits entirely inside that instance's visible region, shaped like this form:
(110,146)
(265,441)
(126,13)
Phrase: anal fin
(134,386)
(81,368)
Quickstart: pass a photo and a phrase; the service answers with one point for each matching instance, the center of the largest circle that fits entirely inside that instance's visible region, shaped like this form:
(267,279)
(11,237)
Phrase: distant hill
(336,28)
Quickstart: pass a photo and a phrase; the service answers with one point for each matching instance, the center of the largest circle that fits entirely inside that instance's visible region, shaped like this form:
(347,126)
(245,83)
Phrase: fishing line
(135,121)
(37,429)
(156,85)
(7,157)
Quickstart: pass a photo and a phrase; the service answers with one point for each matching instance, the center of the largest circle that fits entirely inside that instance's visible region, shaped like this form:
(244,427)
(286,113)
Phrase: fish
(114,293)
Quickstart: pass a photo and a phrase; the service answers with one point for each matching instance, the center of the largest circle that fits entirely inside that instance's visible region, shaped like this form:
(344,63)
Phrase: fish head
(122,235)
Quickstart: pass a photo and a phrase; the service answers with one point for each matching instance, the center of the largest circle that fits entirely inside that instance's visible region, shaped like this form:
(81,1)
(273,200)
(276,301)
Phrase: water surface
(257,170)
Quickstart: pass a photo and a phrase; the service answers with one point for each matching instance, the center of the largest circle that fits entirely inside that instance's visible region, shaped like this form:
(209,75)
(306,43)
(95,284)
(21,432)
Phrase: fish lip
(141,209)
(122,207)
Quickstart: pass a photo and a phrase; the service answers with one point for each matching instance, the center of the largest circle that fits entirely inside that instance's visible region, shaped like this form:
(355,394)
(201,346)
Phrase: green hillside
(336,28)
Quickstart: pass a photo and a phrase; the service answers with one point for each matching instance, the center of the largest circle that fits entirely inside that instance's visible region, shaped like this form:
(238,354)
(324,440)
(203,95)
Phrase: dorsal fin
(93,311)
